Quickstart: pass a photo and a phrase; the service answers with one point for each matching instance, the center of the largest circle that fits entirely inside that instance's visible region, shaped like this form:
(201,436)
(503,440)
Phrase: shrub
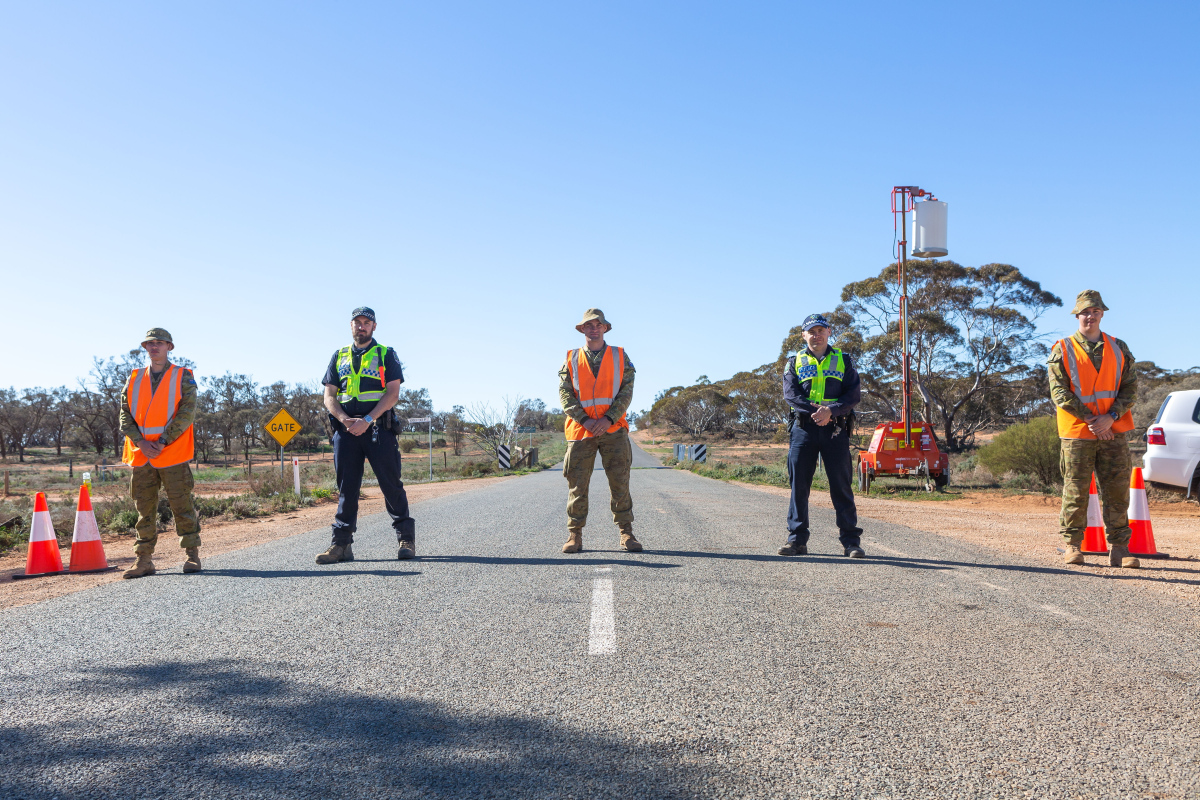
(321,494)
(122,521)
(473,469)
(243,507)
(1021,482)
(1027,448)
(439,442)
(268,483)
(408,445)
(212,506)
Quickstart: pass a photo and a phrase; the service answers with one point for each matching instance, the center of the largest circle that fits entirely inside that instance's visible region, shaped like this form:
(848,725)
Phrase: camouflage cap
(813,320)
(1088,298)
(158,334)
(591,314)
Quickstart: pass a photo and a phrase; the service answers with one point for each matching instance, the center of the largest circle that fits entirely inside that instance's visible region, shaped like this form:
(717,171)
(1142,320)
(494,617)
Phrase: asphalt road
(707,666)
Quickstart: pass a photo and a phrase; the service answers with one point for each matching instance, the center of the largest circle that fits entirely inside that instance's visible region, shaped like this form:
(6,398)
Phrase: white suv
(1173,442)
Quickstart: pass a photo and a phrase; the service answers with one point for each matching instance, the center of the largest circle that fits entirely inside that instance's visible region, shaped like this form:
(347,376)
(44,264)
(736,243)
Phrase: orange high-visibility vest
(595,392)
(1096,390)
(153,411)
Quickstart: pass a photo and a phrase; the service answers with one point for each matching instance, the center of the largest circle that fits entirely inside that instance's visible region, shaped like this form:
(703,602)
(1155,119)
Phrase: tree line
(976,359)
(231,413)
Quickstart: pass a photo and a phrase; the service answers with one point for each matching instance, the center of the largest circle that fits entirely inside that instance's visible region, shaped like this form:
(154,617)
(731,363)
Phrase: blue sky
(244,174)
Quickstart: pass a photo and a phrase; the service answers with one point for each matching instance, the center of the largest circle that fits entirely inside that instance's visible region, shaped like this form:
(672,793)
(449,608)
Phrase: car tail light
(1156,436)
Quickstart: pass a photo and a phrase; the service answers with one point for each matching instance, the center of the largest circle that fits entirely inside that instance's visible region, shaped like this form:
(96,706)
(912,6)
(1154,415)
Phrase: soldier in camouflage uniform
(1096,442)
(605,431)
(176,479)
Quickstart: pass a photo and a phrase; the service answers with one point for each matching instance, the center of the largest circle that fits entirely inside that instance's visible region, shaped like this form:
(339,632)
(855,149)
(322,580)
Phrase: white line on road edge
(602,638)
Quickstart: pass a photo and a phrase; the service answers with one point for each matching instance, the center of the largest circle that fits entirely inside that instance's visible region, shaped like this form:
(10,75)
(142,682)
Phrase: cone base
(20,576)
(1159,554)
(1094,552)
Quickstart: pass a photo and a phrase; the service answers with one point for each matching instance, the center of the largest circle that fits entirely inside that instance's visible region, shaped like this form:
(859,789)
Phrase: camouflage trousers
(178,482)
(1111,463)
(616,455)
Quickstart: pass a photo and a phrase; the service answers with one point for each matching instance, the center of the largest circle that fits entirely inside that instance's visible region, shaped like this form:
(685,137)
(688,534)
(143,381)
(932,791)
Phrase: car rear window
(1161,409)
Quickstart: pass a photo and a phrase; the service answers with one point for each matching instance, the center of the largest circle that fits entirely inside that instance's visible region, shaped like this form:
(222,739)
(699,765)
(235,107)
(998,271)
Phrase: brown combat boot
(144,566)
(193,560)
(628,542)
(1073,555)
(574,542)
(336,553)
(1118,556)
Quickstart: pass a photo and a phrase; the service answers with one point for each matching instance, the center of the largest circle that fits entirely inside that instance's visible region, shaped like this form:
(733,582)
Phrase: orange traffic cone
(44,558)
(1094,543)
(87,551)
(1141,543)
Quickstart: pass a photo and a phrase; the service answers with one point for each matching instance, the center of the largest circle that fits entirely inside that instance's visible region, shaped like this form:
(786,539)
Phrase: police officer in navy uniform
(362,384)
(822,388)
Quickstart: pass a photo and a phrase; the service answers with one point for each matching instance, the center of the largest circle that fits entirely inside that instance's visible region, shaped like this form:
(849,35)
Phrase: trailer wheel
(864,476)
(942,481)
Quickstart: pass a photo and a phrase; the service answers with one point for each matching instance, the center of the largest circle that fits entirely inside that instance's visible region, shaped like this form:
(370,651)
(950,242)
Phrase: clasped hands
(1101,425)
(822,416)
(356,425)
(597,426)
(151,449)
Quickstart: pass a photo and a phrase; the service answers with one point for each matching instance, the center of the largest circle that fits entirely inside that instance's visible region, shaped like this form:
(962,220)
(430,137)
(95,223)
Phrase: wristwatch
(367,419)
(1114,415)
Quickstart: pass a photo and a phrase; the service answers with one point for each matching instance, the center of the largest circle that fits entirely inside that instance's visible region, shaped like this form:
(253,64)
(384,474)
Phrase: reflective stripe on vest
(606,383)
(817,372)
(1096,389)
(370,368)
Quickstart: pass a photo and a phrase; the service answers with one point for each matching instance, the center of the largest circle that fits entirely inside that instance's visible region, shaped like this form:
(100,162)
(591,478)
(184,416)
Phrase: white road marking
(602,638)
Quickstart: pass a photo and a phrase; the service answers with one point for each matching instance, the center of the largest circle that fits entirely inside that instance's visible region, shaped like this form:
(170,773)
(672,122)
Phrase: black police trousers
(349,454)
(832,443)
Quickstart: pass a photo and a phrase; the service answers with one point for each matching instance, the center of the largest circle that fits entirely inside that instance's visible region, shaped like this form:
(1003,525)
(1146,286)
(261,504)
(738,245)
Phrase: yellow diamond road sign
(283,427)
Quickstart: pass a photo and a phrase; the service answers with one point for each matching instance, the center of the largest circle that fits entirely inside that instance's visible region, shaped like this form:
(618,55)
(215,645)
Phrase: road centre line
(602,635)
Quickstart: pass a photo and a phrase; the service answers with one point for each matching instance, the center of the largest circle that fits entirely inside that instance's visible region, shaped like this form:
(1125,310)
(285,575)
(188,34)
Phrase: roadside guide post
(296,474)
(282,427)
(415,420)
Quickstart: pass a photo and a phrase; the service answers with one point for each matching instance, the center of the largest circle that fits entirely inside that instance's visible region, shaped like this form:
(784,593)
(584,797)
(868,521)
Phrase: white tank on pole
(929,229)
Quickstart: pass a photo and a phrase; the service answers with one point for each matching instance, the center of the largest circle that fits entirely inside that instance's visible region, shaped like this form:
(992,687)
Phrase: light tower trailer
(905,448)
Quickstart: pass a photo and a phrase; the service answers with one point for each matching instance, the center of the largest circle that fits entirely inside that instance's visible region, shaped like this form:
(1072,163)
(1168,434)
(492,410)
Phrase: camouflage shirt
(185,415)
(1060,384)
(570,401)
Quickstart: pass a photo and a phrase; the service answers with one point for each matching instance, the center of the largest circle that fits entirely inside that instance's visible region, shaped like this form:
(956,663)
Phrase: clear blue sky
(244,174)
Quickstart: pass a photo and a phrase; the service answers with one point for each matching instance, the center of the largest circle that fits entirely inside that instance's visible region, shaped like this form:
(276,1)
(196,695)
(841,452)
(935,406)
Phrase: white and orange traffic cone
(43,558)
(1094,543)
(1141,543)
(87,551)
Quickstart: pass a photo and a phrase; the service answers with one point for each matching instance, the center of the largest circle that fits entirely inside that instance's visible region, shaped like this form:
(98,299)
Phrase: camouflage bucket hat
(159,334)
(591,314)
(1088,298)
